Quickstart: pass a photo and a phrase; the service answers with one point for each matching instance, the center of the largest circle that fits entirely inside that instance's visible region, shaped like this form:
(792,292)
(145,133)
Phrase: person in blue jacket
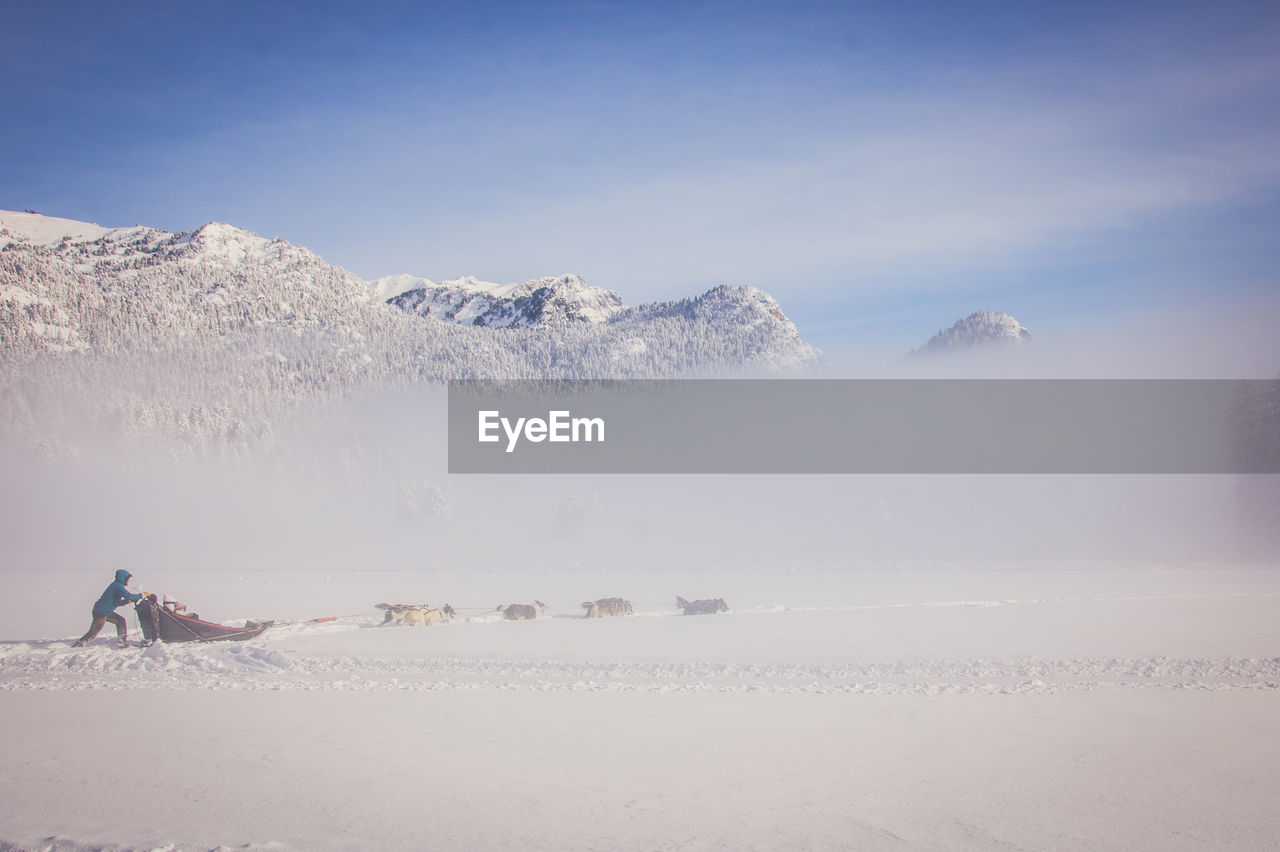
(104,610)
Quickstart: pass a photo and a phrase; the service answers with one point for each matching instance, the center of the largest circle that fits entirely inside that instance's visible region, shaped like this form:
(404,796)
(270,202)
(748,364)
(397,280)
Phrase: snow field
(1061,707)
(644,771)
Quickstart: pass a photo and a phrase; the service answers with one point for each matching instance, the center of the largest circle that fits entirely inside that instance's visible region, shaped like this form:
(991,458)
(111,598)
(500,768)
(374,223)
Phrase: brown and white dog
(519,612)
(709,606)
(416,614)
(606,606)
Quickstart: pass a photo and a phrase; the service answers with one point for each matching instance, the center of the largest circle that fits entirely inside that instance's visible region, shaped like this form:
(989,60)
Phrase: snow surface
(901,706)
(48,230)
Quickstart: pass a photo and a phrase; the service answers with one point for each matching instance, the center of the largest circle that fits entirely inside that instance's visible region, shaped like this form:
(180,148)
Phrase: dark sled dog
(709,606)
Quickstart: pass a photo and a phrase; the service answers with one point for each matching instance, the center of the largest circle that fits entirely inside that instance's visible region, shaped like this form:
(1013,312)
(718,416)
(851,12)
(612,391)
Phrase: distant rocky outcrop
(978,330)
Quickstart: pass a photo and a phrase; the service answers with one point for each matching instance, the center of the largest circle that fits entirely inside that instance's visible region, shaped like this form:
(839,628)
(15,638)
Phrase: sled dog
(519,612)
(416,614)
(709,606)
(606,606)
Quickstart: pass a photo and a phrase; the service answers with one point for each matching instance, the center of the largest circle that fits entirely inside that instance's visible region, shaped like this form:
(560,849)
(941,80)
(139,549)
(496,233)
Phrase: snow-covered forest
(207,337)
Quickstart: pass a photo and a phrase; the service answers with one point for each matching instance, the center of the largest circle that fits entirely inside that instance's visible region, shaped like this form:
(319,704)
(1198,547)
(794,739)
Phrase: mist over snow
(906,661)
(250,416)
(263,436)
(282,411)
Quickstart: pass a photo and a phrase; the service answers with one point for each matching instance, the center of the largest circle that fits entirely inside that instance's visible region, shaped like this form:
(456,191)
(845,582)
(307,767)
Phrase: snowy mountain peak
(743,306)
(388,287)
(470,282)
(743,303)
(540,301)
(236,245)
(219,240)
(977,329)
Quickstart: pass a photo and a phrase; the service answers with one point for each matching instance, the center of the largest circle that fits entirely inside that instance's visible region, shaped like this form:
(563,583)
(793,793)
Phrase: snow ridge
(981,328)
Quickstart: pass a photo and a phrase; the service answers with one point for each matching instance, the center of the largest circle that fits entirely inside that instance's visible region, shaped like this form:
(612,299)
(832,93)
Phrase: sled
(160,622)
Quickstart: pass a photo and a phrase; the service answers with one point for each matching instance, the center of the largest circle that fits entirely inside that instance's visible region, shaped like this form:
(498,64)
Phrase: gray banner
(864,426)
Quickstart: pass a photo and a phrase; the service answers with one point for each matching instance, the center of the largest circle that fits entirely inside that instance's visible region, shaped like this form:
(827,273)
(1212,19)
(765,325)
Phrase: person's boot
(122,642)
(79,643)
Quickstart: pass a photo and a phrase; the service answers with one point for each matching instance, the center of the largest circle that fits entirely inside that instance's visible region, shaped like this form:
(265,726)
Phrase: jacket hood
(122,576)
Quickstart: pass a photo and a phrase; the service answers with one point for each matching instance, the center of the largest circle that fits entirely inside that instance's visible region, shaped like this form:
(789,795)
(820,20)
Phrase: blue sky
(882,169)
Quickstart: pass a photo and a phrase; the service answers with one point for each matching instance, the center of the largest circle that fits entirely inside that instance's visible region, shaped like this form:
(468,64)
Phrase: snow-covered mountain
(468,301)
(568,299)
(228,324)
(977,330)
(72,286)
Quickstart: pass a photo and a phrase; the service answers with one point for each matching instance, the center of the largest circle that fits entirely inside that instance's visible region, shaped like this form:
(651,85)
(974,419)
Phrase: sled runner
(161,622)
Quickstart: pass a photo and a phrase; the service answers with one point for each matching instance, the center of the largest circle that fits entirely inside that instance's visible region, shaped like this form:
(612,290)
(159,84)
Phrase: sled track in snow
(33,666)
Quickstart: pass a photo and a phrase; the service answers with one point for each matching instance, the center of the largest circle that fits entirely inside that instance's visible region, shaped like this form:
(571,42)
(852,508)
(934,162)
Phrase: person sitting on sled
(104,610)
